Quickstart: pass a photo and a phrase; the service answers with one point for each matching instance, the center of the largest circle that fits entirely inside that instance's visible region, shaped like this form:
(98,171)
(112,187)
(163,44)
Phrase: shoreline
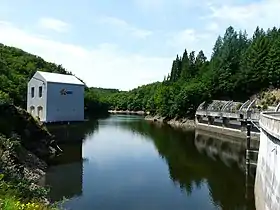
(127,112)
(183,123)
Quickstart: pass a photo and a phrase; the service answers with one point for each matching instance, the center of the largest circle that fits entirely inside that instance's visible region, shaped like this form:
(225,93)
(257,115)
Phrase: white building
(55,97)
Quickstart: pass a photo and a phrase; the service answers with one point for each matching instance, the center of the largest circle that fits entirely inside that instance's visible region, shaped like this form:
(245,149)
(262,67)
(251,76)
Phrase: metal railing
(235,109)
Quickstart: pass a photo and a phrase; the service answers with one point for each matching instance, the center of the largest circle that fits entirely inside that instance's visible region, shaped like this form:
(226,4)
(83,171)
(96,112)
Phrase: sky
(125,43)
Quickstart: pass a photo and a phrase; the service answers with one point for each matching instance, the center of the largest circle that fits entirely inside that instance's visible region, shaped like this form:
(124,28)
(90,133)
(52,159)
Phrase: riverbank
(191,124)
(178,123)
(128,112)
(25,146)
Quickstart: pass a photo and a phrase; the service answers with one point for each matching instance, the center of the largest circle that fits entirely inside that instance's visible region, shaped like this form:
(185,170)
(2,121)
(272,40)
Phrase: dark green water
(124,162)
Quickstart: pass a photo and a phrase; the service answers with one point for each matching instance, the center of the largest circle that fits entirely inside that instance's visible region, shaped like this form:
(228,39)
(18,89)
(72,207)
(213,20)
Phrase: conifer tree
(185,74)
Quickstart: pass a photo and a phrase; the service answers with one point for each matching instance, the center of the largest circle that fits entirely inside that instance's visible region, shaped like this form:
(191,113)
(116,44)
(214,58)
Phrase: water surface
(124,162)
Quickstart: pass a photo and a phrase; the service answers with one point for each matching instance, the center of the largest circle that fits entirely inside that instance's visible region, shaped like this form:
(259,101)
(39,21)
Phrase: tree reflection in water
(65,176)
(194,159)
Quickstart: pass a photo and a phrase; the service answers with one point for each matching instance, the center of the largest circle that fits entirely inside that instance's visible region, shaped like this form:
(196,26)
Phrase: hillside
(239,67)
(18,66)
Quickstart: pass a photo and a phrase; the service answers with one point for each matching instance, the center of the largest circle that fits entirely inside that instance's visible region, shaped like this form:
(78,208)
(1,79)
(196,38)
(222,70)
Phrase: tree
(273,64)
(256,61)
(193,69)
(200,61)
(185,74)
(217,47)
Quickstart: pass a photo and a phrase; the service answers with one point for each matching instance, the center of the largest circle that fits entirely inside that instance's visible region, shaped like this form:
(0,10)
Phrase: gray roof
(60,78)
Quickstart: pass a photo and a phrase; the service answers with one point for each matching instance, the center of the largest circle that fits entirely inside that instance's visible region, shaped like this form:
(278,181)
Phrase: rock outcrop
(25,144)
(33,136)
(181,123)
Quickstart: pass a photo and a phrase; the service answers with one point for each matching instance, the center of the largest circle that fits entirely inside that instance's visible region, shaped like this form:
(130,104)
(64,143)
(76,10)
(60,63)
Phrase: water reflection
(231,151)
(71,133)
(65,176)
(195,158)
(124,170)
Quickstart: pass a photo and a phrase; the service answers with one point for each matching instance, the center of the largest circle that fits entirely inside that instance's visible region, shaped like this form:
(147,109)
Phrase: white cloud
(104,66)
(53,24)
(124,27)
(264,13)
(220,15)
(191,39)
(183,38)
(150,4)
(213,26)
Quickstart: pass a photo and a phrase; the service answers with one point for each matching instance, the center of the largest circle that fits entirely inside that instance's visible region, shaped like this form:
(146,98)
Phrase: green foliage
(238,68)
(16,190)
(4,98)
(12,172)
(18,66)
(11,203)
(11,199)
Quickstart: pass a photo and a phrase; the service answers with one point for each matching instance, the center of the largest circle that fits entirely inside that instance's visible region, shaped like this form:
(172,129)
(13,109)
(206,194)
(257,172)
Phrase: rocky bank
(181,123)
(25,145)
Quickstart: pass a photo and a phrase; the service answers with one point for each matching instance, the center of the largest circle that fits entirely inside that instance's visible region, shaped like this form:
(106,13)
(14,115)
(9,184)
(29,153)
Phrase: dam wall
(267,183)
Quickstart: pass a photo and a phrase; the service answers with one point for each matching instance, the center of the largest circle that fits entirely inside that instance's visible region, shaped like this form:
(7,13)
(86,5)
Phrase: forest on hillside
(239,67)
(18,66)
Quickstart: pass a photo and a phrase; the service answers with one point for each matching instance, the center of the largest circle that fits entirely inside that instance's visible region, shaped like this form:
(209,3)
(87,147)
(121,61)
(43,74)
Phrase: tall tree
(185,74)
(256,61)
(200,61)
(217,47)
(193,69)
(273,64)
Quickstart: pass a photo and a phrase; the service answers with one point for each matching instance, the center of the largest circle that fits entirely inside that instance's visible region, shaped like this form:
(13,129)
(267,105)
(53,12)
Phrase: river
(124,162)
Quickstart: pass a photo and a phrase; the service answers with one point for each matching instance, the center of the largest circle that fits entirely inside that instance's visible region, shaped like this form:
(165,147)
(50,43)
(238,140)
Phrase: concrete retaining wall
(267,184)
(227,131)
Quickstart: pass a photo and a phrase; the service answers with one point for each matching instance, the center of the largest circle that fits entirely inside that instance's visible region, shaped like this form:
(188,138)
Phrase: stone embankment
(127,112)
(180,123)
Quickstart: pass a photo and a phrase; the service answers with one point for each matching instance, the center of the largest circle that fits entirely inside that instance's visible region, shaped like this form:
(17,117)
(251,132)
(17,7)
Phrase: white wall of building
(36,105)
(69,107)
(58,101)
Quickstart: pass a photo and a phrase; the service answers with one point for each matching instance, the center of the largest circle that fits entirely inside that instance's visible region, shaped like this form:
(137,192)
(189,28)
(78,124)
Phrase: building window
(40,91)
(39,112)
(32,92)
(32,110)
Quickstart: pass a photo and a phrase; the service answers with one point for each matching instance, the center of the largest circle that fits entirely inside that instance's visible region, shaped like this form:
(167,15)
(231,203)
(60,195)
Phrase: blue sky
(124,44)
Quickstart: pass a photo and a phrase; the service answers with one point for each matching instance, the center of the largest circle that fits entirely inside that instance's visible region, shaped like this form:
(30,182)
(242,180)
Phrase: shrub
(4,98)
(13,198)
(265,107)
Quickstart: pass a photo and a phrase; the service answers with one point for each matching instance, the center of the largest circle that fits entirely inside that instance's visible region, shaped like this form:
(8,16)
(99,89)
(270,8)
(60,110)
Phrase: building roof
(60,78)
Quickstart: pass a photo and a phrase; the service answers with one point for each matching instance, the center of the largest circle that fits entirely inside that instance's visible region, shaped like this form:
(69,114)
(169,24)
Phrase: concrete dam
(232,119)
